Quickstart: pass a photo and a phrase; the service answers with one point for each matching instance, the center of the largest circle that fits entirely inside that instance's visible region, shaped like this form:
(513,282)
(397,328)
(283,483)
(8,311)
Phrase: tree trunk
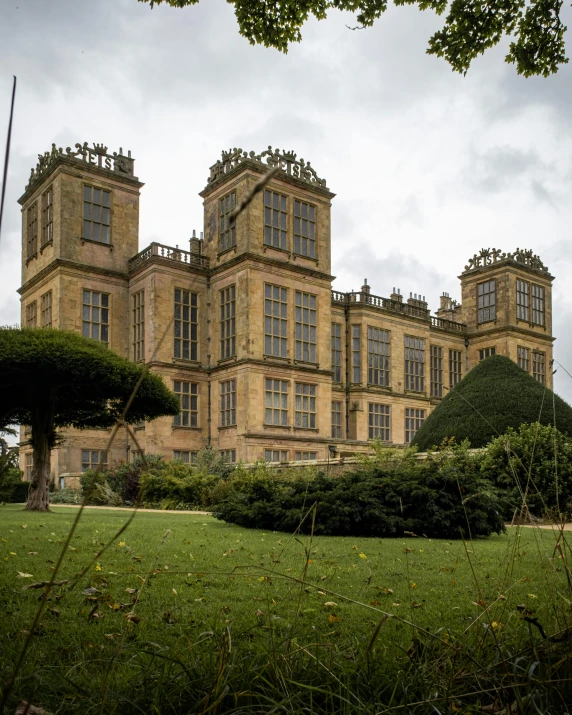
(42,441)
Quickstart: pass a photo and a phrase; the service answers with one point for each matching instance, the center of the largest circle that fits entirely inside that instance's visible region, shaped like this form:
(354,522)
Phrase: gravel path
(127,508)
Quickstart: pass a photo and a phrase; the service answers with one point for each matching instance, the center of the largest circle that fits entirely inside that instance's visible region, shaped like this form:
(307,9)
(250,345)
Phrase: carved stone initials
(95,156)
(489,256)
(285,160)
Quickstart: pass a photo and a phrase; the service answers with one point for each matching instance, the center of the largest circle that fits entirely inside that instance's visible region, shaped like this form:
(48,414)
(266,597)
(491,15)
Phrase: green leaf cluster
(153,482)
(78,381)
(495,395)
(471,26)
(533,466)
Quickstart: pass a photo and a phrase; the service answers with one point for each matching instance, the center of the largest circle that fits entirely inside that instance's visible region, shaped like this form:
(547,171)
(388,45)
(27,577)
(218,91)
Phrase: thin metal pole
(7,154)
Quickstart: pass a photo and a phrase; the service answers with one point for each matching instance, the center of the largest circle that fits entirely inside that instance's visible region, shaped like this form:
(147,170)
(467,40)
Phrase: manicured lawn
(222,599)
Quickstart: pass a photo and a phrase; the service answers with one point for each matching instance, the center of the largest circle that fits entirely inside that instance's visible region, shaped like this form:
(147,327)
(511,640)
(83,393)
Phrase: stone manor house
(268,361)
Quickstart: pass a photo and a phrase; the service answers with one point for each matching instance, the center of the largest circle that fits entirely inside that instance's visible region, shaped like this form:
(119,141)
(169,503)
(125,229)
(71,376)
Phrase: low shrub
(532,466)
(66,496)
(12,489)
(160,484)
(445,497)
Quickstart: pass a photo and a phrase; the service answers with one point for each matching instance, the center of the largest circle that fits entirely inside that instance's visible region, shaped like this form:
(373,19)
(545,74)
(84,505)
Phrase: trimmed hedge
(435,500)
(12,489)
(495,395)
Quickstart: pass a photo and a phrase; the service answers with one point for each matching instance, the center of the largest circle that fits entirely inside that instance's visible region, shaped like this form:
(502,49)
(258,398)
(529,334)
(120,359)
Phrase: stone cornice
(65,263)
(241,362)
(288,436)
(250,256)
(500,331)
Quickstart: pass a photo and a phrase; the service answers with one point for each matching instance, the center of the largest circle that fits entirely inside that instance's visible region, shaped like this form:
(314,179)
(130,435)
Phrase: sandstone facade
(269,361)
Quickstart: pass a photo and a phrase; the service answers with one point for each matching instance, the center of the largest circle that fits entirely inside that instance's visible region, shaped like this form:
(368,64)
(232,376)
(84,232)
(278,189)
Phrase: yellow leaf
(413,584)
(495,625)
(24,575)
(532,595)
(330,604)
(363,556)
(122,543)
(12,553)
(333,619)
(97,567)
(175,592)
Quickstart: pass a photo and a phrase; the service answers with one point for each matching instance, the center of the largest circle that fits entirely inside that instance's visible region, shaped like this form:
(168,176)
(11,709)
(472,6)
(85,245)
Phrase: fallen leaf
(259,613)
(29,709)
(131,617)
(330,604)
(21,574)
(131,590)
(90,590)
(333,618)
(363,556)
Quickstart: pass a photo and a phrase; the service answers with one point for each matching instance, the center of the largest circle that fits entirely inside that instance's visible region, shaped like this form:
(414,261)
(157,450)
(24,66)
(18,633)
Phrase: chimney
(417,300)
(365,288)
(195,244)
(445,302)
(396,295)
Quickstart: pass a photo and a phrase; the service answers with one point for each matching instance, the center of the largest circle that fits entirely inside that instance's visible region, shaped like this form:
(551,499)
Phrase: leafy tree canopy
(495,395)
(85,383)
(470,27)
(54,378)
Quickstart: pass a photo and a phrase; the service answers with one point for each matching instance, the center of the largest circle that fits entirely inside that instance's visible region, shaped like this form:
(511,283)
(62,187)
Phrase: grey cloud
(501,167)
(394,270)
(411,211)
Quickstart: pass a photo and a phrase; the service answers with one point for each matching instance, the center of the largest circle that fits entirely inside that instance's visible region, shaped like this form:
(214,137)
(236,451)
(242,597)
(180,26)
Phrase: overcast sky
(428,166)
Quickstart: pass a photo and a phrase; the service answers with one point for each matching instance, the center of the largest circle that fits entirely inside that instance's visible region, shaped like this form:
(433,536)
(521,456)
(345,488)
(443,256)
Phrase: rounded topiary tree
(54,378)
(495,395)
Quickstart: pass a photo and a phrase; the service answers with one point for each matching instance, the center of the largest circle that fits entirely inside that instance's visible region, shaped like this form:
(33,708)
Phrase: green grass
(224,616)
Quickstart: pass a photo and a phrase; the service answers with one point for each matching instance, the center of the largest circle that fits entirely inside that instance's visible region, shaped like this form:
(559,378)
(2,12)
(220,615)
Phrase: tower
(80,224)
(270,298)
(507,306)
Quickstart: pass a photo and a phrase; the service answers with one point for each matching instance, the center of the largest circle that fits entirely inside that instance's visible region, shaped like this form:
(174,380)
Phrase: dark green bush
(12,489)
(441,498)
(495,395)
(534,464)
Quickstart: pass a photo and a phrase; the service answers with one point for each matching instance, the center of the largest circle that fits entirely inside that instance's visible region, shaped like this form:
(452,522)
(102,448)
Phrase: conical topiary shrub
(495,395)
